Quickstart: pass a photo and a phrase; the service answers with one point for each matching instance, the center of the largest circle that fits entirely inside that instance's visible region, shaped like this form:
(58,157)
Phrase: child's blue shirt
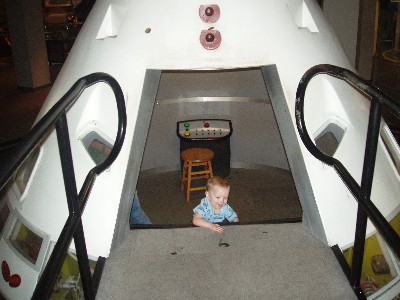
(206,211)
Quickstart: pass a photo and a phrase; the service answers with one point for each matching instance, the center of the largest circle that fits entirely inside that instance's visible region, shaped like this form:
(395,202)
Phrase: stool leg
(210,169)
(189,181)
(184,173)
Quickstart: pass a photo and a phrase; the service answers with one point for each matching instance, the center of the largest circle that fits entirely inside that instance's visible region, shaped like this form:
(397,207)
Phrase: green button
(186,124)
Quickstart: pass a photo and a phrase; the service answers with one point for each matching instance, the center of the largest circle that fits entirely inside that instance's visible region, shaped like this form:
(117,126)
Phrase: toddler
(214,208)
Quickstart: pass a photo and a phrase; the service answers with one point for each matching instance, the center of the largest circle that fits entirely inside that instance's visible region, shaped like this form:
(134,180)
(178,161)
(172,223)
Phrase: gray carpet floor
(257,195)
(264,261)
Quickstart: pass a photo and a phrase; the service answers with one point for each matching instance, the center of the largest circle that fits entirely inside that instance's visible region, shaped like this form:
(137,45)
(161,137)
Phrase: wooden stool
(200,158)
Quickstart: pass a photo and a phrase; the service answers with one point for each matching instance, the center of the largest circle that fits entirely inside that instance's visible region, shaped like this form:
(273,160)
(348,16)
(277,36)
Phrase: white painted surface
(254,33)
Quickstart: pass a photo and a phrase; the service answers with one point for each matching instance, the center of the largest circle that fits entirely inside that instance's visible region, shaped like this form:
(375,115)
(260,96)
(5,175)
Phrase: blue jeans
(138,216)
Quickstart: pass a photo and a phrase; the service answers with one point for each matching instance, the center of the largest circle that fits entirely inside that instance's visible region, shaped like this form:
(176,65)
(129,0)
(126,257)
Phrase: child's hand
(198,221)
(216,228)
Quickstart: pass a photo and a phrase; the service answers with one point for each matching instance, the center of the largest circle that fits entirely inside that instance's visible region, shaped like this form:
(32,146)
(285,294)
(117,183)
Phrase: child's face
(218,196)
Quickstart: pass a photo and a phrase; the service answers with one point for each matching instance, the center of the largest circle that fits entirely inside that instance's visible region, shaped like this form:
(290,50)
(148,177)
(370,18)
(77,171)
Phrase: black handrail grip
(351,78)
(38,131)
(360,84)
(73,222)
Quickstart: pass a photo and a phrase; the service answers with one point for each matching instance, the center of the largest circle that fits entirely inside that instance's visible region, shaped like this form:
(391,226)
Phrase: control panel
(204,129)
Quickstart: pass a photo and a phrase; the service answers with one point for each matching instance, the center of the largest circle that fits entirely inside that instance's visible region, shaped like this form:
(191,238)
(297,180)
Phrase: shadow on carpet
(258,196)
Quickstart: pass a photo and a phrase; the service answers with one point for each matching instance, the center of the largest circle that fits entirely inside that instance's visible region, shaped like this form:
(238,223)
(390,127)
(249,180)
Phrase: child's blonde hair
(217,181)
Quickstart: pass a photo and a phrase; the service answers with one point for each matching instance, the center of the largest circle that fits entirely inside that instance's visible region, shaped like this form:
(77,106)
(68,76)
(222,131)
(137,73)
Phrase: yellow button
(187,133)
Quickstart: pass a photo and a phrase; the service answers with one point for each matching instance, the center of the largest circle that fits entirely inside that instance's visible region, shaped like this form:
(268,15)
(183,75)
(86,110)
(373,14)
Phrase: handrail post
(83,262)
(366,186)
(67,165)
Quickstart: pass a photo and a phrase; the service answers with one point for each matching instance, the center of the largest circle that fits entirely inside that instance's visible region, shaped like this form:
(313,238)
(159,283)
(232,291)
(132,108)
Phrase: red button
(206,125)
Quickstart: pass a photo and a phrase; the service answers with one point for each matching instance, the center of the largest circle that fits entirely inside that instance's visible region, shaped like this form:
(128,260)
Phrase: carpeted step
(271,261)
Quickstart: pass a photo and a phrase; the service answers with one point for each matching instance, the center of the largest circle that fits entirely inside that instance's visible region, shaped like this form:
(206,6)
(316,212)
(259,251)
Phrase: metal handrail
(27,143)
(366,208)
(76,203)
